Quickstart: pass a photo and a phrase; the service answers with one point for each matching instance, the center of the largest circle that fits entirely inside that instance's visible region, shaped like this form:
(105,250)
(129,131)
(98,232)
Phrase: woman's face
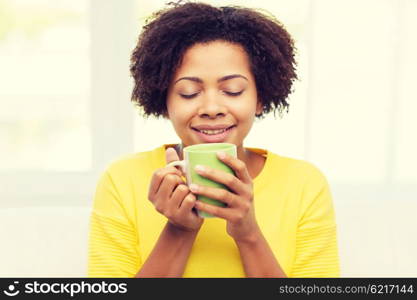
(212,97)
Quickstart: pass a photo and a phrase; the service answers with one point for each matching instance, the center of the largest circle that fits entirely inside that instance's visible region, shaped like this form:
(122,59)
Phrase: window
(64,97)
(45,78)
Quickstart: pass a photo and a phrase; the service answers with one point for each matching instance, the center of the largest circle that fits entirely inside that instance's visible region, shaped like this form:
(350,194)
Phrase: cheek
(179,112)
(245,110)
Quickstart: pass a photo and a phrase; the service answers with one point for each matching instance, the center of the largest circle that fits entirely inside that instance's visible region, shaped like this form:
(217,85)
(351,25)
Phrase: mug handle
(178,163)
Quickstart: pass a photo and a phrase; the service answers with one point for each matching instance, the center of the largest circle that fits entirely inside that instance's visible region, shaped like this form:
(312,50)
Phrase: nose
(212,106)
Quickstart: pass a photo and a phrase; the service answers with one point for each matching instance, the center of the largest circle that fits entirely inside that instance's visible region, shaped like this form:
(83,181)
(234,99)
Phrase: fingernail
(199,168)
(193,187)
(221,154)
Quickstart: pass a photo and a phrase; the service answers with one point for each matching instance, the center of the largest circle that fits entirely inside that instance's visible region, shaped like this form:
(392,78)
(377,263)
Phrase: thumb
(171,155)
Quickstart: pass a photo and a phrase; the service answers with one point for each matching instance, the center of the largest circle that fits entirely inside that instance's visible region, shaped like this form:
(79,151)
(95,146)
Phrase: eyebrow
(224,78)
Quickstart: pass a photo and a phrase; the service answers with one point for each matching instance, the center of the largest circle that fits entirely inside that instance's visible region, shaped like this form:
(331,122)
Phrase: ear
(259,108)
(165,114)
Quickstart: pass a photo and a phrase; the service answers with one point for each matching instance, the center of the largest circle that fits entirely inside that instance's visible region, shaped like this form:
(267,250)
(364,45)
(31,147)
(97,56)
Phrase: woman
(212,71)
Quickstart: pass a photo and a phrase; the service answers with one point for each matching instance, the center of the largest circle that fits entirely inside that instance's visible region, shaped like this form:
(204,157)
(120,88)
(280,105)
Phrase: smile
(211,132)
(214,135)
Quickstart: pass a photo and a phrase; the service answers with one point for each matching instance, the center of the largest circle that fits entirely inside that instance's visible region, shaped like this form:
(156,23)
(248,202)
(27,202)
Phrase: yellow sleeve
(113,243)
(316,242)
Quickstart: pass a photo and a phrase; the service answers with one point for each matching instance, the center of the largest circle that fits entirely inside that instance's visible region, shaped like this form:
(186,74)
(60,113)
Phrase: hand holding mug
(238,198)
(172,197)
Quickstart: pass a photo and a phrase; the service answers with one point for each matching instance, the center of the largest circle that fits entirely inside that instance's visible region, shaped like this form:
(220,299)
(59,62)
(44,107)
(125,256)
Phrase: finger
(229,180)
(166,189)
(237,165)
(187,204)
(171,155)
(215,193)
(159,176)
(226,213)
(180,192)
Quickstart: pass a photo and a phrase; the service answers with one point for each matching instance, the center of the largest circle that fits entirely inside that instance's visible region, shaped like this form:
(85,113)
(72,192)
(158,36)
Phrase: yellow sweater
(293,207)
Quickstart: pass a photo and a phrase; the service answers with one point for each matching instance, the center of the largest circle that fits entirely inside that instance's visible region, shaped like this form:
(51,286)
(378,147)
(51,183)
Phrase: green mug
(205,155)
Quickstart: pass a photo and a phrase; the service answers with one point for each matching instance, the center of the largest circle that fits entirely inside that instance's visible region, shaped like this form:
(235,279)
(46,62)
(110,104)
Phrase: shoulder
(297,169)
(310,186)
(308,174)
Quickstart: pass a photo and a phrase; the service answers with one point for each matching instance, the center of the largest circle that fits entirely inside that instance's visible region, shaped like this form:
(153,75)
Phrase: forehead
(214,58)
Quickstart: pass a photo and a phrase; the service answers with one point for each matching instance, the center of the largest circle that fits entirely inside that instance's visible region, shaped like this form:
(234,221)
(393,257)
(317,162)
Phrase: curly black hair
(169,32)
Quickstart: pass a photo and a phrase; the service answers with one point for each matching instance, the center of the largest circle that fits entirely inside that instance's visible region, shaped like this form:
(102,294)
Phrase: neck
(178,148)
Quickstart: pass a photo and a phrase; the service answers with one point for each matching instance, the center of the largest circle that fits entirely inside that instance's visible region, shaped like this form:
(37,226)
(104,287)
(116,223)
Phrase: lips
(213,134)
(211,127)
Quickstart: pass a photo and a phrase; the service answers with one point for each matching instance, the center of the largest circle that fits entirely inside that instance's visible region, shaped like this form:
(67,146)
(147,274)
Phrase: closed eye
(233,94)
(189,96)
